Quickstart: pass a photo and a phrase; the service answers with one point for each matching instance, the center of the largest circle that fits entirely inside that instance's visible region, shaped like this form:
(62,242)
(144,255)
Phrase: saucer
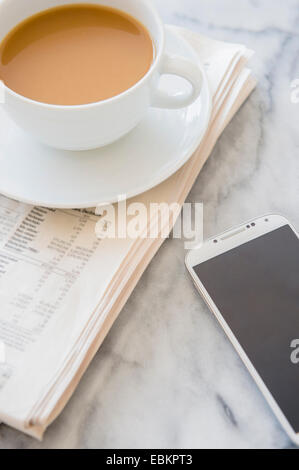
(35,174)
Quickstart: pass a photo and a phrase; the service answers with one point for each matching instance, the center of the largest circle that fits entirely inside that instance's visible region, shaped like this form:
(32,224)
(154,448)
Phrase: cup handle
(174,65)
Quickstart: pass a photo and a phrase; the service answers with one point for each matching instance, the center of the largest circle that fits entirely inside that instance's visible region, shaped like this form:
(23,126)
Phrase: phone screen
(256,289)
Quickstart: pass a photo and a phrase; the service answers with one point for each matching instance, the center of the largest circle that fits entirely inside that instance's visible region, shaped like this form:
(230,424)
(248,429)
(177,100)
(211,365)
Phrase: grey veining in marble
(166,375)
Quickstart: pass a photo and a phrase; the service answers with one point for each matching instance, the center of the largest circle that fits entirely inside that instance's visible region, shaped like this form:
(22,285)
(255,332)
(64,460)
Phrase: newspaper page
(54,271)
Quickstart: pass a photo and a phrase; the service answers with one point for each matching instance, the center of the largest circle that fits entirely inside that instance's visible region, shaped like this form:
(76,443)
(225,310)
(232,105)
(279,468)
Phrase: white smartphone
(249,278)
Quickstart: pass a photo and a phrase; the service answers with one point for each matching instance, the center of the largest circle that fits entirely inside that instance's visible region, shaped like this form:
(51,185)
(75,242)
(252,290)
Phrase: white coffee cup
(94,125)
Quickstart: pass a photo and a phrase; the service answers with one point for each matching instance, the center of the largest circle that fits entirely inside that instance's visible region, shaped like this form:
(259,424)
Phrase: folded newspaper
(61,287)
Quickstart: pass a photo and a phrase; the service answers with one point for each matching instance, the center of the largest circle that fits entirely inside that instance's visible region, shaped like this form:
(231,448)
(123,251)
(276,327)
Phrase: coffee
(75,54)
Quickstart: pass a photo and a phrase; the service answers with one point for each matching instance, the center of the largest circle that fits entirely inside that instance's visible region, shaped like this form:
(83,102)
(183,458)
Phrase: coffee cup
(93,125)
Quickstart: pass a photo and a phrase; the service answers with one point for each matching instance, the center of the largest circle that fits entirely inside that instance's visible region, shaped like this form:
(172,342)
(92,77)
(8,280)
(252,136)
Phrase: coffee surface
(75,54)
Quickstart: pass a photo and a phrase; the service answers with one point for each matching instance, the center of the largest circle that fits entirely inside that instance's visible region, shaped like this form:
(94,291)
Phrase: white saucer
(157,148)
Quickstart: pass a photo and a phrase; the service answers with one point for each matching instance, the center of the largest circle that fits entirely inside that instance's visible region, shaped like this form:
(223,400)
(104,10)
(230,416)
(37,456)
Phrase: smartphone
(249,278)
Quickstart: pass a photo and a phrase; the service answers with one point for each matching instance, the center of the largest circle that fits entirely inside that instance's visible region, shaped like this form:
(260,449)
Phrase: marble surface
(166,375)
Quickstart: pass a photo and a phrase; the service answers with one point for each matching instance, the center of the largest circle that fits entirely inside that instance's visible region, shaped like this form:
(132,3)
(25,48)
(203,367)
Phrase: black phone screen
(256,289)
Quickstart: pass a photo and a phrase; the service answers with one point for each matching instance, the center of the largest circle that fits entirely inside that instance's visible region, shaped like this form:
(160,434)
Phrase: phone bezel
(227,241)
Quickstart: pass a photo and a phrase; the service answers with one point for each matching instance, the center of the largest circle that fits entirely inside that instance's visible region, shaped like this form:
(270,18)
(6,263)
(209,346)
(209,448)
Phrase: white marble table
(167,376)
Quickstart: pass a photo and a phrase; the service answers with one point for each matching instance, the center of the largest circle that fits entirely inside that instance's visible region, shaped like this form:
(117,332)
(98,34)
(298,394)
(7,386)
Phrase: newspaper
(61,287)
